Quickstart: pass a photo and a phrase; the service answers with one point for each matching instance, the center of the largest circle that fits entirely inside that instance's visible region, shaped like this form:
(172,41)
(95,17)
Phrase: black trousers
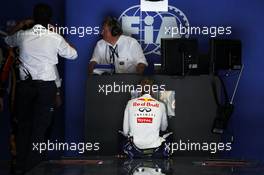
(33,109)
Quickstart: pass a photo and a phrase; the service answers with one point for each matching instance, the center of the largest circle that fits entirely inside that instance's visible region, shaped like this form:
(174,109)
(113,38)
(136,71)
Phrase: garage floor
(181,166)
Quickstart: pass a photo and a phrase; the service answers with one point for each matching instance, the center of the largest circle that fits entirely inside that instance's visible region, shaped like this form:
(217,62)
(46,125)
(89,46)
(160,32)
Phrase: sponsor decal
(146,99)
(144,109)
(144,120)
(146,104)
(145,114)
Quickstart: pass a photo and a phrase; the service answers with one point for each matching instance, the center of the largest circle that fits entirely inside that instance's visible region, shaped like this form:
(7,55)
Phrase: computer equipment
(179,56)
(226,54)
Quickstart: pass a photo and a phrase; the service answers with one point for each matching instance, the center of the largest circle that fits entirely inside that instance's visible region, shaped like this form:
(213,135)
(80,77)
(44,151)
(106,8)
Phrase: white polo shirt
(128,54)
(143,119)
(38,52)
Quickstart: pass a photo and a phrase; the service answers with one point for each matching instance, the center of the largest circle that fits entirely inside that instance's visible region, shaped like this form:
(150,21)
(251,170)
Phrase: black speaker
(226,54)
(179,56)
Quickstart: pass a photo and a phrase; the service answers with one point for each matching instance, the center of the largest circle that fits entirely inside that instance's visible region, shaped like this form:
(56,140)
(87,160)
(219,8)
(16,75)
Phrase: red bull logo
(146,104)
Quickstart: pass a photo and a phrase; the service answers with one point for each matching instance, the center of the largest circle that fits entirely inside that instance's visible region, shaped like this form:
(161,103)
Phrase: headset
(114,25)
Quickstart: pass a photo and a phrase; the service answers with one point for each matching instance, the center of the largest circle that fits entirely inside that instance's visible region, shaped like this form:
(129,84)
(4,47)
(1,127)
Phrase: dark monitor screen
(179,56)
(226,54)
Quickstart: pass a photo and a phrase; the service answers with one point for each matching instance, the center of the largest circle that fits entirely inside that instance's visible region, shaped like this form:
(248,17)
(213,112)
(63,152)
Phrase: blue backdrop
(245,19)
(244,16)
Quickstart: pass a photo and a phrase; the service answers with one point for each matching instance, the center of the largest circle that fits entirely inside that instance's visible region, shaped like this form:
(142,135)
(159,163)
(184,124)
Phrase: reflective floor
(188,166)
(113,166)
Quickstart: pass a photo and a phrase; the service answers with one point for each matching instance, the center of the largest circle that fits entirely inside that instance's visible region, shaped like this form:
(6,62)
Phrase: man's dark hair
(146,82)
(42,14)
(114,25)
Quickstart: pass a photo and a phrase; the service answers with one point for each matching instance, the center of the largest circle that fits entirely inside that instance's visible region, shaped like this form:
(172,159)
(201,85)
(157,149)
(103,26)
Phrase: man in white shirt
(39,49)
(124,52)
(144,118)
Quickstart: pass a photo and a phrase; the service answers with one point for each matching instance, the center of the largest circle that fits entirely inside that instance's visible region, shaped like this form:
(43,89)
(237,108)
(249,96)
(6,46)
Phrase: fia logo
(149,27)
